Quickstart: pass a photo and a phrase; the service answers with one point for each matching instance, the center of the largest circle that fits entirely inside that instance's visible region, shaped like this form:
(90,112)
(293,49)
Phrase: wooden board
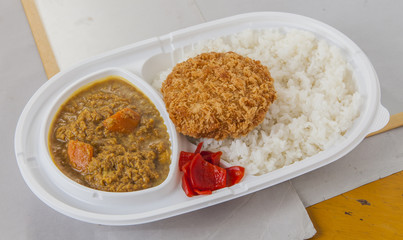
(372,211)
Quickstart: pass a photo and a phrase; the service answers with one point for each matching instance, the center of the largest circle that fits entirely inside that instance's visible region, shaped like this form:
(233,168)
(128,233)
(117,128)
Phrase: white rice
(316,104)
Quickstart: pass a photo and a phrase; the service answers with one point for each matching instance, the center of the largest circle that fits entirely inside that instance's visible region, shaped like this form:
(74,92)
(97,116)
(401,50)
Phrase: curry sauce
(135,158)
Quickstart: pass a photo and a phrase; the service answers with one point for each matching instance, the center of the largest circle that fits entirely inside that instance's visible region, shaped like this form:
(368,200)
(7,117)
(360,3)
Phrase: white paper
(273,213)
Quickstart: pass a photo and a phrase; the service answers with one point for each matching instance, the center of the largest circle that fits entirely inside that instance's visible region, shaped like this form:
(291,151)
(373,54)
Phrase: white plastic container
(139,63)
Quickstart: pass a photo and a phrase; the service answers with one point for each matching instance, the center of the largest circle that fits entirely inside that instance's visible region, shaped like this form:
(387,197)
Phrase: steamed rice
(317,100)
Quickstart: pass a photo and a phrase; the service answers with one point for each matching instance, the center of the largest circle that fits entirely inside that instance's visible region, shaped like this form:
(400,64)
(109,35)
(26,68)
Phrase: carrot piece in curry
(80,155)
(124,121)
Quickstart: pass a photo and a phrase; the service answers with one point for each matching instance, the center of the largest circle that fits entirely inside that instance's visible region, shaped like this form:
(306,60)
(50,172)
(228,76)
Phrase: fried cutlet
(218,95)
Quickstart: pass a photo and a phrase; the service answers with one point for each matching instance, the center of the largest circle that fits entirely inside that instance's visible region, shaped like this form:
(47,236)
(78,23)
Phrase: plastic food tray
(141,62)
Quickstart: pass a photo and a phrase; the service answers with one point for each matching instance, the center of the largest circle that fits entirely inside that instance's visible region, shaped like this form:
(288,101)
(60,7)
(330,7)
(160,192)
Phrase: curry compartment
(108,136)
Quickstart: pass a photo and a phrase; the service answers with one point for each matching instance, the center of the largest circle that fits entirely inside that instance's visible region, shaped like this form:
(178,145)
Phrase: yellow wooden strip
(38,31)
(372,211)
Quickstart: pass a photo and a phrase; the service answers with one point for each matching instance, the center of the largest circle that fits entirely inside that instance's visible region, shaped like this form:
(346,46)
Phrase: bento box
(138,63)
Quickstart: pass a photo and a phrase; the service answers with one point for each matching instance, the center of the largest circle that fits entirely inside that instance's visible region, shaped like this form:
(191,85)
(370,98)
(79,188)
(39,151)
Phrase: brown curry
(109,136)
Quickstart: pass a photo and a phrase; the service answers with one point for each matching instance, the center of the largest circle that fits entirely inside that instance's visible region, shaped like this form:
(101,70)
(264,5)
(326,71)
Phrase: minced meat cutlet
(218,95)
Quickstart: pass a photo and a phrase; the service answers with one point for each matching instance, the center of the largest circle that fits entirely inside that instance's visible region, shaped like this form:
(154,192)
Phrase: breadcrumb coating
(218,95)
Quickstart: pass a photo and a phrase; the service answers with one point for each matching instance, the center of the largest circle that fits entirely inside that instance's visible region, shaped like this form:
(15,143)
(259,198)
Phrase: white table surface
(376,26)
